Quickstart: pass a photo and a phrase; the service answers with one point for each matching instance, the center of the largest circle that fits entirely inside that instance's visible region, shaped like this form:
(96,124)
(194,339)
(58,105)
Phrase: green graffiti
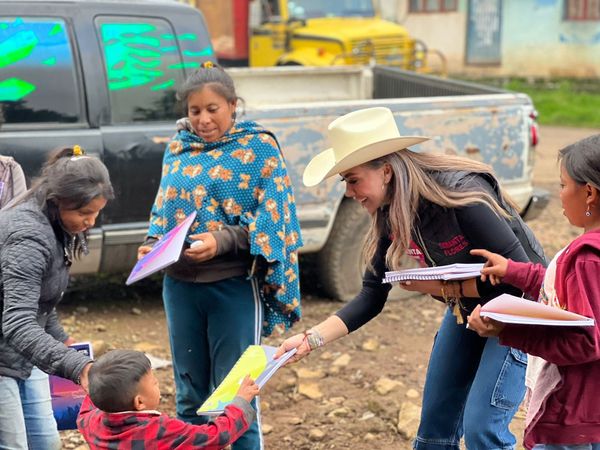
(13,89)
(162,86)
(56,29)
(185,65)
(139,54)
(131,55)
(50,61)
(17,47)
(187,37)
(207,51)
(181,37)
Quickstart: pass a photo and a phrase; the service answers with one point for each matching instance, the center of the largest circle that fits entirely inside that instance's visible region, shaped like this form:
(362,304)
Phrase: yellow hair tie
(207,65)
(77,150)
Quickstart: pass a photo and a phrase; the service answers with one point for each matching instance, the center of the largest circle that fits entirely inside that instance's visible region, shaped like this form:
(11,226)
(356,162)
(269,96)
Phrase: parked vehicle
(263,33)
(102,74)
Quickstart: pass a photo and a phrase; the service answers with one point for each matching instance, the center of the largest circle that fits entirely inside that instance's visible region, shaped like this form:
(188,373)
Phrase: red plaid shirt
(151,430)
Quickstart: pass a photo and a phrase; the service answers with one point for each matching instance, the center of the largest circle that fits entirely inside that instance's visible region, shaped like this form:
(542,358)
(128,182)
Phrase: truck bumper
(538,201)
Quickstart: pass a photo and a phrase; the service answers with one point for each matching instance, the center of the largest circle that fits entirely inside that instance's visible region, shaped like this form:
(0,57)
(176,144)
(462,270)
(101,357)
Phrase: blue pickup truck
(102,74)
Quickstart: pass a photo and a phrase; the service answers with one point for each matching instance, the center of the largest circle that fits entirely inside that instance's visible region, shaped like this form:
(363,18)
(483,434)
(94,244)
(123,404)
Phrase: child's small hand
(495,268)
(248,389)
(483,326)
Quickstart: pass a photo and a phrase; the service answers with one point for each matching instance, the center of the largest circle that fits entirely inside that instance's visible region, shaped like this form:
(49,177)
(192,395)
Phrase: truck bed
(288,85)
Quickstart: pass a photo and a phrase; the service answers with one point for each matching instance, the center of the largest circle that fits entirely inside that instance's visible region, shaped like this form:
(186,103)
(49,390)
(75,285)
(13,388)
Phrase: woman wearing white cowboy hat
(435,208)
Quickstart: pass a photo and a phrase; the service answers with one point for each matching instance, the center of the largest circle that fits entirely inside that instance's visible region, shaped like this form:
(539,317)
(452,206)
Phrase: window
(582,10)
(308,9)
(433,5)
(38,82)
(143,68)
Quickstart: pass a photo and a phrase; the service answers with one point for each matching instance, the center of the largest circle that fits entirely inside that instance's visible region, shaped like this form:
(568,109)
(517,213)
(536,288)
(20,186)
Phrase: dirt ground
(363,391)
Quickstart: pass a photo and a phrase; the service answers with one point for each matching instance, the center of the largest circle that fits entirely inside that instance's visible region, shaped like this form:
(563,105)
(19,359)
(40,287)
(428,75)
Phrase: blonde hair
(412,180)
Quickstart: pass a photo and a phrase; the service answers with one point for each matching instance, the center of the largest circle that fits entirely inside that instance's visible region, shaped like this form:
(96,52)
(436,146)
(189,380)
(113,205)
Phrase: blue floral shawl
(241,179)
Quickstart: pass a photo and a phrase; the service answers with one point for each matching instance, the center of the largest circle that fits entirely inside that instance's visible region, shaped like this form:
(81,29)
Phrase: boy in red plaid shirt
(120,411)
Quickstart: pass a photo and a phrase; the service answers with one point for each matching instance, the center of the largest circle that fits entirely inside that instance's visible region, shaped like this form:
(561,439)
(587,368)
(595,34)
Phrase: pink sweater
(571,414)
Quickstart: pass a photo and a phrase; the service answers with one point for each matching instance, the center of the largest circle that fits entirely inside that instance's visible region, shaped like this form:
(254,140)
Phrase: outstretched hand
(495,267)
(297,341)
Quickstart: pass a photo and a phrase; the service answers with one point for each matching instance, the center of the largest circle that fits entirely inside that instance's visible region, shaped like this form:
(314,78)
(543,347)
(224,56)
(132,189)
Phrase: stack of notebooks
(458,271)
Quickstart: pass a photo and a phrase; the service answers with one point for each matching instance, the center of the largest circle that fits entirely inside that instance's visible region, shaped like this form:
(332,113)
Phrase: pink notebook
(164,253)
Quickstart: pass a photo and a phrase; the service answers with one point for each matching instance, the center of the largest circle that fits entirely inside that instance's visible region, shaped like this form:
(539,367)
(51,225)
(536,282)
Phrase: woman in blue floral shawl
(238,273)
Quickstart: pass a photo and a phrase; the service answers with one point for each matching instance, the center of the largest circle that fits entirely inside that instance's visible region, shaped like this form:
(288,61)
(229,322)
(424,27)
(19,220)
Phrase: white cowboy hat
(356,138)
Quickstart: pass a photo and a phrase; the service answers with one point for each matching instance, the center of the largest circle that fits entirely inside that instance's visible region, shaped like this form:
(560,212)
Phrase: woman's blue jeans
(26,417)
(473,388)
(210,325)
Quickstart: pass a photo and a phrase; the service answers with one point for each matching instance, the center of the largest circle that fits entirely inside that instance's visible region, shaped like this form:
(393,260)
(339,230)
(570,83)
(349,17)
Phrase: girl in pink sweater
(564,407)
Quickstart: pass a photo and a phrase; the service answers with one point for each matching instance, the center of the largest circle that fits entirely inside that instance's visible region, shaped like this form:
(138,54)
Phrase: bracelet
(314,339)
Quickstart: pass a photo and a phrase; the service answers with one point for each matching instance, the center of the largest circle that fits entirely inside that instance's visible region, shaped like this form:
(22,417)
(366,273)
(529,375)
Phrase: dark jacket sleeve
(483,228)
(54,328)
(24,258)
(370,300)
(232,240)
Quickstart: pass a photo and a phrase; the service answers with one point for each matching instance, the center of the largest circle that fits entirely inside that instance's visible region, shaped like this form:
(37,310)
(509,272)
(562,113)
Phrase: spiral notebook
(257,361)
(507,308)
(457,271)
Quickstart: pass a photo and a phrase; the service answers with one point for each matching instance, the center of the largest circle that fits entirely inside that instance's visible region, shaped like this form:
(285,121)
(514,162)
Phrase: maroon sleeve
(526,276)
(566,345)
(217,434)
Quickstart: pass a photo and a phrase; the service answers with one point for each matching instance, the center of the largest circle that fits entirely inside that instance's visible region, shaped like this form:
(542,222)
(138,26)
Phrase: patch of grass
(566,102)
(563,103)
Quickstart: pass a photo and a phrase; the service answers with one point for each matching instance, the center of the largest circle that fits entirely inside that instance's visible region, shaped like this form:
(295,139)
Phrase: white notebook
(507,308)
(457,271)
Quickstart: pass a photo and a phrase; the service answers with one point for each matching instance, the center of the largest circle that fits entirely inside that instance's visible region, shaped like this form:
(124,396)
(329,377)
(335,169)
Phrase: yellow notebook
(256,361)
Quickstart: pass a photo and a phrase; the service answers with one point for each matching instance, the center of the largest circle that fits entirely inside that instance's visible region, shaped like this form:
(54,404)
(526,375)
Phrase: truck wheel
(339,263)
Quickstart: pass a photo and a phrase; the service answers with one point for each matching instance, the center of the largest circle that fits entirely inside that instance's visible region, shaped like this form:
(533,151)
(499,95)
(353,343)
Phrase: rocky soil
(363,391)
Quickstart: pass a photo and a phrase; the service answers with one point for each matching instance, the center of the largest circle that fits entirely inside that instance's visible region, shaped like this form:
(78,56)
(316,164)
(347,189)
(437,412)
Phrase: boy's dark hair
(582,160)
(114,379)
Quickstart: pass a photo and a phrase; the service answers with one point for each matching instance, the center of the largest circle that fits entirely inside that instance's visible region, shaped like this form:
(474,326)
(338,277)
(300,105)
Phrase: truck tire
(339,264)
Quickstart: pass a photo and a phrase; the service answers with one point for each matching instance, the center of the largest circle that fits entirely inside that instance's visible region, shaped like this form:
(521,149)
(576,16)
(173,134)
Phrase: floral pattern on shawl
(241,179)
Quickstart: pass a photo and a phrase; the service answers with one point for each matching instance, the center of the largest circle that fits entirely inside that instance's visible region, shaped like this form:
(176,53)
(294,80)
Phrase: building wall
(535,40)
(445,32)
